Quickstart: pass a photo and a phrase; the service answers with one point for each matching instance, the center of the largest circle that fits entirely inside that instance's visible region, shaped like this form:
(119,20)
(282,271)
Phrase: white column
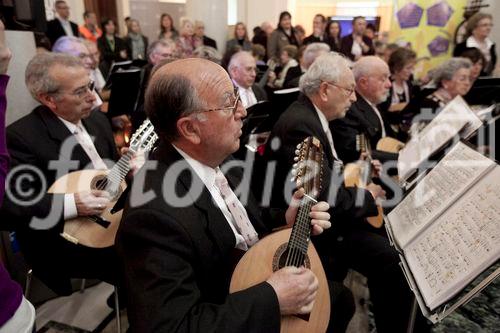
(214,14)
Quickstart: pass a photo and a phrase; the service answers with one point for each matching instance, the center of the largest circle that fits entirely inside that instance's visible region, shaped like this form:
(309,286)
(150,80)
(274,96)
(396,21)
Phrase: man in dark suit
(62,85)
(357,44)
(318,34)
(177,242)
(243,70)
(61,25)
(311,52)
(372,77)
(199,31)
(328,91)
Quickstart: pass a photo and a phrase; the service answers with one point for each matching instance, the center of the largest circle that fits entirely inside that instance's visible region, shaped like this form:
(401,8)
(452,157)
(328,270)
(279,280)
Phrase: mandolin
(359,174)
(99,231)
(292,247)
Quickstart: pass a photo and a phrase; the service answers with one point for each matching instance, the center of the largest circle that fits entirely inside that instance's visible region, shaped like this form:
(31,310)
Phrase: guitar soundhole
(279,258)
(101,182)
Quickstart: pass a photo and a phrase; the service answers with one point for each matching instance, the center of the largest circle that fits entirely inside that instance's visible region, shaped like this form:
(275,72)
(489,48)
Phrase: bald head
(372,78)
(242,68)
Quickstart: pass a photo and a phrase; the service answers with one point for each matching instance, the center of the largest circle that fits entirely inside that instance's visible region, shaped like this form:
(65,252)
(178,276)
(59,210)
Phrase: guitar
(359,174)
(99,231)
(292,247)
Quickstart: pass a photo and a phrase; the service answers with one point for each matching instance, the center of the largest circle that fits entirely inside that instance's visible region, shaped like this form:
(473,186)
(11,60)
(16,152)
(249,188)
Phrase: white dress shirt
(326,128)
(377,112)
(207,175)
(66,26)
(247,95)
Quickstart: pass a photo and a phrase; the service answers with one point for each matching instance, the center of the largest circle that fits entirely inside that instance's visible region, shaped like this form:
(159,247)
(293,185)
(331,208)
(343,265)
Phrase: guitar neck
(301,233)
(120,169)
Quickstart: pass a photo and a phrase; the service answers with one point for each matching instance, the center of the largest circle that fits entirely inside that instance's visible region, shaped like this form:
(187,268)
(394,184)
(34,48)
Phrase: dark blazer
(108,56)
(230,44)
(260,93)
(128,42)
(487,68)
(55,30)
(47,252)
(361,118)
(178,259)
(313,39)
(209,42)
(347,42)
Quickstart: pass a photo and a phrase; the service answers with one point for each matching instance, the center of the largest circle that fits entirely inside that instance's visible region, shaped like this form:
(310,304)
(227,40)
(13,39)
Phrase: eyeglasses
(82,91)
(232,108)
(349,91)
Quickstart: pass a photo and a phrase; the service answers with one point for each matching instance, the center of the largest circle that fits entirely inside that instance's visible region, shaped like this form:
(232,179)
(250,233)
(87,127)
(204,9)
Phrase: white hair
(313,51)
(327,67)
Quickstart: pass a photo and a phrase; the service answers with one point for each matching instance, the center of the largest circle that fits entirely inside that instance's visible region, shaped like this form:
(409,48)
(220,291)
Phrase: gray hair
(169,98)
(209,53)
(366,66)
(327,67)
(66,44)
(447,69)
(313,51)
(37,75)
(163,42)
(236,58)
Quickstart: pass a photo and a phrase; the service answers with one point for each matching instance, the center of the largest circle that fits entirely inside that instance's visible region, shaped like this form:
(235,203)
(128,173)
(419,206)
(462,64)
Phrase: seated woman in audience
(240,38)
(187,41)
(137,43)
(451,78)
(167,29)
(284,35)
(333,39)
(287,61)
(478,30)
(111,47)
(477,59)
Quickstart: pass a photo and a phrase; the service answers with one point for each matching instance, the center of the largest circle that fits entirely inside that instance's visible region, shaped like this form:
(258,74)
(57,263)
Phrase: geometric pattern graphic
(438,45)
(409,15)
(439,14)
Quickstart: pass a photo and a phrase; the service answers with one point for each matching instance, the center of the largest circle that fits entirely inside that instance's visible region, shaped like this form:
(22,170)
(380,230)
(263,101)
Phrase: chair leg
(117,312)
(82,286)
(27,285)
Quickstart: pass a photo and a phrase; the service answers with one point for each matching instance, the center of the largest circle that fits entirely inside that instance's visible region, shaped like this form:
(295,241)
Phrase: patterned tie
(240,217)
(88,146)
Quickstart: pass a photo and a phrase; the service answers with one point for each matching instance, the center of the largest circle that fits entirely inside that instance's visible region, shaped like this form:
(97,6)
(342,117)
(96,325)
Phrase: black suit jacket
(361,118)
(178,259)
(346,46)
(45,249)
(209,42)
(260,93)
(292,77)
(55,30)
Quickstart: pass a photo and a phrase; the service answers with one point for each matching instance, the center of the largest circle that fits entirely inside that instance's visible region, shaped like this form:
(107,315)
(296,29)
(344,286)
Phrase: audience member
(357,44)
(478,30)
(477,59)
(372,78)
(61,25)
(95,72)
(178,259)
(167,29)
(242,69)
(240,38)
(111,47)
(318,34)
(391,47)
(282,36)
(259,53)
(287,61)
(371,31)
(89,30)
(333,33)
(199,31)
(137,43)
(187,41)
(17,314)
(300,33)
(209,53)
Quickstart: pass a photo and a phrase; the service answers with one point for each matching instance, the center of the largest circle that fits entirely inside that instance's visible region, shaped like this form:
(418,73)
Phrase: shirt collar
(472,42)
(206,173)
(240,87)
(322,119)
(71,126)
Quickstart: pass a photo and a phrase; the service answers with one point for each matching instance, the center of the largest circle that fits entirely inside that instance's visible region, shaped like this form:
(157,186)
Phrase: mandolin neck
(120,170)
(301,233)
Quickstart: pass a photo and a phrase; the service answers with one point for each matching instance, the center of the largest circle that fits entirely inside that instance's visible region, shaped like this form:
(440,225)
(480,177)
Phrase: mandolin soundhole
(101,182)
(279,258)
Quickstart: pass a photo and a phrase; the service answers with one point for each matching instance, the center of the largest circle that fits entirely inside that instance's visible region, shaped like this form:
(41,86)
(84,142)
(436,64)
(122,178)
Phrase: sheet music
(460,244)
(455,116)
(456,172)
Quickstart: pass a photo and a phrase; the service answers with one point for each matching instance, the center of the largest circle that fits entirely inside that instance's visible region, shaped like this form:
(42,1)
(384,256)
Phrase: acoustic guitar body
(389,145)
(84,230)
(267,256)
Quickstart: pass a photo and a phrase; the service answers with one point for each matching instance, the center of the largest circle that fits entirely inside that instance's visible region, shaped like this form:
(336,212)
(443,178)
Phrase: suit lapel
(368,117)
(59,132)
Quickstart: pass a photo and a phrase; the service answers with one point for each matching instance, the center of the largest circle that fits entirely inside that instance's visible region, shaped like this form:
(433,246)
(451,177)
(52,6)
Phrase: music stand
(125,91)
(485,91)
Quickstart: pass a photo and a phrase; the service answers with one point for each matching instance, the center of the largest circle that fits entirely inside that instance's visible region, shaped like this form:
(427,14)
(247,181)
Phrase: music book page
(459,244)
(447,181)
(454,117)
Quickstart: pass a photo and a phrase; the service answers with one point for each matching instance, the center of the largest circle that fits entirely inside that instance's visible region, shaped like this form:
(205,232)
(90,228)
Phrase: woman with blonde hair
(240,38)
